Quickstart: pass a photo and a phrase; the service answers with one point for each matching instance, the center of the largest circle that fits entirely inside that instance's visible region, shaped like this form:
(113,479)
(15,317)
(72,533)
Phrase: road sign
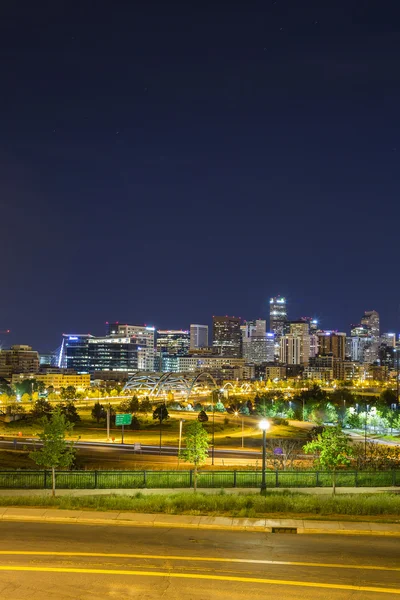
(123,419)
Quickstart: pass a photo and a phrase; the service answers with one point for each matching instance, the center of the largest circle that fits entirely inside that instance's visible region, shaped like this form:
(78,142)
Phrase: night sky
(161,162)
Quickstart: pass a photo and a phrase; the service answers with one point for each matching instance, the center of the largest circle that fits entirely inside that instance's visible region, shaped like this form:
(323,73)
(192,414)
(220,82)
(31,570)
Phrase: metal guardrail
(184,479)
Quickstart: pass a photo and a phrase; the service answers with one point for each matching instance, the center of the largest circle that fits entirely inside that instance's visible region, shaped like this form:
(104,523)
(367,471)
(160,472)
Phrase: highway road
(112,448)
(81,562)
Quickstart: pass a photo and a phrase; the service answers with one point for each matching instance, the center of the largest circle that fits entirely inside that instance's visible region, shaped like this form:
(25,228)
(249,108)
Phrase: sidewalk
(127,519)
(319,491)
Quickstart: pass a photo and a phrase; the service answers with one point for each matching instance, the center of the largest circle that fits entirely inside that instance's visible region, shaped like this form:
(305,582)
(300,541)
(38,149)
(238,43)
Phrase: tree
(334,450)
(129,405)
(98,412)
(69,411)
(196,451)
(284,452)
(161,413)
(219,407)
(387,398)
(68,393)
(146,406)
(135,423)
(202,416)
(41,409)
(55,452)
(15,408)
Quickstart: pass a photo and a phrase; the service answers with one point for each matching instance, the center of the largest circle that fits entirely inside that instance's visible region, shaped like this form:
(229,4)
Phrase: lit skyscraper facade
(198,336)
(277,315)
(143,336)
(87,354)
(227,336)
(173,341)
(371,321)
(332,342)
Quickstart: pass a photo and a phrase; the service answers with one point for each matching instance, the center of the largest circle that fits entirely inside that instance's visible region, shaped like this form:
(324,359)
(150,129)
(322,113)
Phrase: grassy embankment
(228,434)
(285,504)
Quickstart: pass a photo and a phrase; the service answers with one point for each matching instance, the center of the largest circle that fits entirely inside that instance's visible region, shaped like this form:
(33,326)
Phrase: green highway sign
(122,419)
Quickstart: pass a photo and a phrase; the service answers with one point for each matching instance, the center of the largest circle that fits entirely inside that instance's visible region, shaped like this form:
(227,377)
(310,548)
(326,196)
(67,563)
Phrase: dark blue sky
(161,162)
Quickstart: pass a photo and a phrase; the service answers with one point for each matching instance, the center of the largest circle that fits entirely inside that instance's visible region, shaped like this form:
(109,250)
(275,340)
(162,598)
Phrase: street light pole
(180,439)
(365,431)
(397,364)
(213,428)
(236,413)
(264,426)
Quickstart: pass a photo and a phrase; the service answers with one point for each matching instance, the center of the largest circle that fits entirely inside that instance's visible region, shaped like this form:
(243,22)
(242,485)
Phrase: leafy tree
(334,450)
(376,456)
(387,398)
(135,424)
(196,451)
(129,405)
(25,398)
(219,407)
(160,413)
(146,406)
(70,412)
(41,408)
(202,417)
(98,412)
(353,420)
(55,452)
(25,387)
(250,406)
(15,408)
(68,393)
(5,388)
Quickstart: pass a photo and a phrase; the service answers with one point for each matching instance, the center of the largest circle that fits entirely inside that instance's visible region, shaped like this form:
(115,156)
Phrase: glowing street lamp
(236,413)
(264,425)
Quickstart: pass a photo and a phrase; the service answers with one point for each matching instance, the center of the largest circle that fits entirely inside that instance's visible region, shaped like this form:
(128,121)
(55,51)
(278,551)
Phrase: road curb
(299,526)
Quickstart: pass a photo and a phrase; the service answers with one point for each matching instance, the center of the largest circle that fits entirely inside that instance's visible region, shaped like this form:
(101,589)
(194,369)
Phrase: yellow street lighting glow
(264,425)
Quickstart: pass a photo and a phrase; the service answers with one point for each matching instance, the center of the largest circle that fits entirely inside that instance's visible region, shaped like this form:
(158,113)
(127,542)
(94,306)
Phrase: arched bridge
(156,384)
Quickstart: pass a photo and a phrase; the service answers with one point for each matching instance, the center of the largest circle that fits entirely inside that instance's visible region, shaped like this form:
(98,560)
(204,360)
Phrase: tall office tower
(389,339)
(227,336)
(198,336)
(299,328)
(364,347)
(294,349)
(277,315)
(143,336)
(256,328)
(313,345)
(332,342)
(371,321)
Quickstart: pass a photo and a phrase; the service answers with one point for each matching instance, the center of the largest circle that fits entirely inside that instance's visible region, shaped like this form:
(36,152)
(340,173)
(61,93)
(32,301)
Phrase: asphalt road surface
(81,562)
(113,448)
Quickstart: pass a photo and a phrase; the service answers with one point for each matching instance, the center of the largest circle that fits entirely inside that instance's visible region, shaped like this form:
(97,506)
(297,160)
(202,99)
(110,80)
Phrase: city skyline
(8,339)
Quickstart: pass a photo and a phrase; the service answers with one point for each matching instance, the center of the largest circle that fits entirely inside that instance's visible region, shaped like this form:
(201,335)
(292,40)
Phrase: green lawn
(227,434)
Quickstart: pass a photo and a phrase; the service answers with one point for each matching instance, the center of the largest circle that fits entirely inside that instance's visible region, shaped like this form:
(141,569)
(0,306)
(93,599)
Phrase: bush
(279,421)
